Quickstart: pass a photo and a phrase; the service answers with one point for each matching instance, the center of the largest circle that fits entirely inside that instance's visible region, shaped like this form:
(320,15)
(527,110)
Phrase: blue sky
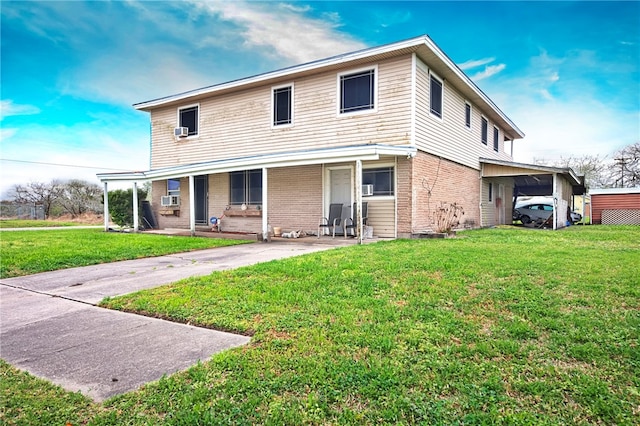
(567,73)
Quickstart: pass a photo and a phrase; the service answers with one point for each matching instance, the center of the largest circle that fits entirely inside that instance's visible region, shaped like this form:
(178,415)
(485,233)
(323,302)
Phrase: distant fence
(22,211)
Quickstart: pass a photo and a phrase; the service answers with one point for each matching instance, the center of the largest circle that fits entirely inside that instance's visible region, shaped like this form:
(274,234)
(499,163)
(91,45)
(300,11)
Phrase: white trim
(282,126)
(288,159)
(339,91)
(441,81)
(614,191)
(179,124)
(414,95)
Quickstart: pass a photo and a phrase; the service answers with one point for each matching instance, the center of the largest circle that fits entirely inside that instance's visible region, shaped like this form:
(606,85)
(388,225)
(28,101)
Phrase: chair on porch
(352,222)
(333,221)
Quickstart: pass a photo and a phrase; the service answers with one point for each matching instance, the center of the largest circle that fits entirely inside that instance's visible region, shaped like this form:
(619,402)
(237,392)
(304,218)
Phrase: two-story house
(399,127)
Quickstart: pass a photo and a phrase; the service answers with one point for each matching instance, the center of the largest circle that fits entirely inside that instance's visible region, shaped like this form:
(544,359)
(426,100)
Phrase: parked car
(538,212)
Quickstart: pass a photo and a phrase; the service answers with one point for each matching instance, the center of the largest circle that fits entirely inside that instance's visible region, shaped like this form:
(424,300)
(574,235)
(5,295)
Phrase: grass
(502,326)
(23,223)
(30,252)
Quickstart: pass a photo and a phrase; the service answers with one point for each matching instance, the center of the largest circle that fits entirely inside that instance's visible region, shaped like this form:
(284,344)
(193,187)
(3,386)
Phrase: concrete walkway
(50,326)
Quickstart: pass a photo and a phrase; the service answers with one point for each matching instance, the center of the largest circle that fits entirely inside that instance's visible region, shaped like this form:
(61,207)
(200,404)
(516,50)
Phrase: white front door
(340,192)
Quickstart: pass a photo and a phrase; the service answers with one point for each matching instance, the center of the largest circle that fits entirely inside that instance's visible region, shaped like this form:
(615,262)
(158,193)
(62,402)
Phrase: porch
(255,194)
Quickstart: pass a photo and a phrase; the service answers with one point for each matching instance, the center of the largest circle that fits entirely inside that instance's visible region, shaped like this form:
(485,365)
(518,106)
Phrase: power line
(62,165)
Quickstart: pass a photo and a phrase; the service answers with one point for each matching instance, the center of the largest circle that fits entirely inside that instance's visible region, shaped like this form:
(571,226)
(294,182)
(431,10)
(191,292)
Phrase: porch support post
(555,201)
(265,204)
(135,207)
(106,207)
(359,225)
(192,206)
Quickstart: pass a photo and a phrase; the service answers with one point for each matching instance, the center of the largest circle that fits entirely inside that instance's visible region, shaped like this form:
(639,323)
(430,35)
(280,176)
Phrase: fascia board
(337,155)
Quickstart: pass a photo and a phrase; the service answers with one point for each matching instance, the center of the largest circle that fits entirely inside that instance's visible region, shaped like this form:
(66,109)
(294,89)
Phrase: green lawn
(22,223)
(29,252)
(502,326)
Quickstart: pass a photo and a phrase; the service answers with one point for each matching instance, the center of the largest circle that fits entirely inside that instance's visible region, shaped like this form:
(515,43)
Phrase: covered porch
(288,190)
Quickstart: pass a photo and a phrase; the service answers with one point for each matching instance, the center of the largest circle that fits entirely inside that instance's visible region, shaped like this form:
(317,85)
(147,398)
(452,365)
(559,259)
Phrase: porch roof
(285,159)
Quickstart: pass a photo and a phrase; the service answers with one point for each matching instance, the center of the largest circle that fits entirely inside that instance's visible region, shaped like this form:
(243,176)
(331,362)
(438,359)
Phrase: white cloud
(8,108)
(282,30)
(474,63)
(488,71)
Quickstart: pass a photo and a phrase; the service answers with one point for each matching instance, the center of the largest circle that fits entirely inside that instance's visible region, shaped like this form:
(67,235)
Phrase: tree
(594,168)
(38,193)
(78,197)
(625,168)
(121,205)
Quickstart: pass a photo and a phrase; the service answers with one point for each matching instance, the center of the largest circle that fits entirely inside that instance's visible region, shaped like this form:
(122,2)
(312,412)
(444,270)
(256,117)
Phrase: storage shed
(615,206)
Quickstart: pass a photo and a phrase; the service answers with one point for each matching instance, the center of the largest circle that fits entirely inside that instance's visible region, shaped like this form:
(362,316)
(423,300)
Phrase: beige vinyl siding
(449,137)
(239,124)
(381,216)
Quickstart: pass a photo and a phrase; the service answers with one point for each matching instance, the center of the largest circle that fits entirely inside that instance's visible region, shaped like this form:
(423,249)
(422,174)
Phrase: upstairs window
(283,105)
(467,115)
(357,91)
(381,179)
(245,187)
(484,131)
(188,117)
(435,98)
(496,143)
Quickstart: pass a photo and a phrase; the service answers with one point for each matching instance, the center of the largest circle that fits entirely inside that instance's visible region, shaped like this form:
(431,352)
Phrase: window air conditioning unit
(367,190)
(170,200)
(181,132)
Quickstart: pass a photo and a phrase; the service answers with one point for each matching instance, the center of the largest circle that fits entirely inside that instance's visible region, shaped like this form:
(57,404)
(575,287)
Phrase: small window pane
(255,187)
(436,97)
(357,91)
(490,191)
(173,186)
(496,135)
(189,118)
(237,186)
(282,106)
(467,115)
(485,129)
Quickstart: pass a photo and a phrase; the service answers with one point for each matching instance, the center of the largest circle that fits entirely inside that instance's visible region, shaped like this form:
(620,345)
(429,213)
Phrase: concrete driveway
(50,326)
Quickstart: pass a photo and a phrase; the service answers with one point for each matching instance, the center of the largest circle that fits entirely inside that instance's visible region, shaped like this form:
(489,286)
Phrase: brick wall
(295,197)
(436,180)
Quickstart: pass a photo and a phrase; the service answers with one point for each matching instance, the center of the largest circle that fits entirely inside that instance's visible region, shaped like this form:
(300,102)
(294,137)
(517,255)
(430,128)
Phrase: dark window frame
(282,99)
(436,103)
(245,187)
(491,192)
(496,137)
(484,130)
(189,116)
(357,91)
(382,185)
(467,115)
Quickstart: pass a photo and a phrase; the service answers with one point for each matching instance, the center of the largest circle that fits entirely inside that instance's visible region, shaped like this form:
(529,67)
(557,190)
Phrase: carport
(533,180)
